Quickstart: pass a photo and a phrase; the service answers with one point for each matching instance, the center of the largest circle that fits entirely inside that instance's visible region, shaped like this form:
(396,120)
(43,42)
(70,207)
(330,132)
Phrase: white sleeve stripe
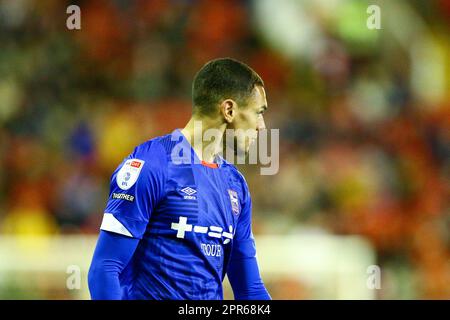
(110,223)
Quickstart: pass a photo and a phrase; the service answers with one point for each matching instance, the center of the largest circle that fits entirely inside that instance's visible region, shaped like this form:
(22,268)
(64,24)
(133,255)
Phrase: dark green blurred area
(364,116)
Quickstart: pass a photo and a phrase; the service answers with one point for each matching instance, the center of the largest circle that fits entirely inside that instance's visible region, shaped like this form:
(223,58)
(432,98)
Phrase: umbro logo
(189,193)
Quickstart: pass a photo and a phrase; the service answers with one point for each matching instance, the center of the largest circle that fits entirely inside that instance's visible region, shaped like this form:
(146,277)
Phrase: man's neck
(194,132)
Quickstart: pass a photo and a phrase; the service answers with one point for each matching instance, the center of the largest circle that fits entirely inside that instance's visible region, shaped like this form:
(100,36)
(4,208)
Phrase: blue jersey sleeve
(244,224)
(136,187)
(112,254)
(243,272)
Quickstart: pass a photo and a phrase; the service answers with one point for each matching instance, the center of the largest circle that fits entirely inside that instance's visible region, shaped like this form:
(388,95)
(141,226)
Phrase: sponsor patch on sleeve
(129,173)
(123,196)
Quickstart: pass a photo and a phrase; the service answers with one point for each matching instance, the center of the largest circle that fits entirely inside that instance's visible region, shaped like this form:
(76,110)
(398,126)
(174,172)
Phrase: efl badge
(129,173)
(234,201)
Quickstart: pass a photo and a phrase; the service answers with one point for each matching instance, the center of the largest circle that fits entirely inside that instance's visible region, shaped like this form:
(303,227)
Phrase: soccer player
(172,229)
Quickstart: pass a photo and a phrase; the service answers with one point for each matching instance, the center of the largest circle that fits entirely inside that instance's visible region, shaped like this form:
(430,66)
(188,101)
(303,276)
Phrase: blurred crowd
(364,144)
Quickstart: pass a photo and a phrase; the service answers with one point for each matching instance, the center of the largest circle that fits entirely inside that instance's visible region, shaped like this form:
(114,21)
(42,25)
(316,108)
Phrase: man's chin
(237,150)
(243,152)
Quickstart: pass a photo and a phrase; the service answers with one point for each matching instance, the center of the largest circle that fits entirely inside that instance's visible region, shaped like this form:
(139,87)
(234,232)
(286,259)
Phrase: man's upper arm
(243,271)
(136,187)
(243,239)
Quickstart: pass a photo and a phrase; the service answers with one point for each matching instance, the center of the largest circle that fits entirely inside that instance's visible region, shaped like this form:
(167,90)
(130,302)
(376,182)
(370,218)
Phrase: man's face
(249,119)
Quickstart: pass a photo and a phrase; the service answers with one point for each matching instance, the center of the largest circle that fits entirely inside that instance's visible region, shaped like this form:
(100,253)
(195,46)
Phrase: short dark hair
(220,79)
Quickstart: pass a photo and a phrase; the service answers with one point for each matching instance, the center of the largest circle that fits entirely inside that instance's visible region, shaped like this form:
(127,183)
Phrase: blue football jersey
(188,216)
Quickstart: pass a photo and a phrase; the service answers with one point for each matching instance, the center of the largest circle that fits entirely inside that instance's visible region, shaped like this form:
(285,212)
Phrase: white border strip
(110,223)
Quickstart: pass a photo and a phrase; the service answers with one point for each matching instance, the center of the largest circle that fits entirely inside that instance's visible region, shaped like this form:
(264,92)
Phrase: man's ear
(228,110)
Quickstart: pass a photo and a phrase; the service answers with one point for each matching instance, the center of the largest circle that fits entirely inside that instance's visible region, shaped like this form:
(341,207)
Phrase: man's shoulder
(235,175)
(161,144)
(154,150)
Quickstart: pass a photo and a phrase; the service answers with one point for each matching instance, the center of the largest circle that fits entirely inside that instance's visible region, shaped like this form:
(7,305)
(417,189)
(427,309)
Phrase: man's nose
(261,125)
